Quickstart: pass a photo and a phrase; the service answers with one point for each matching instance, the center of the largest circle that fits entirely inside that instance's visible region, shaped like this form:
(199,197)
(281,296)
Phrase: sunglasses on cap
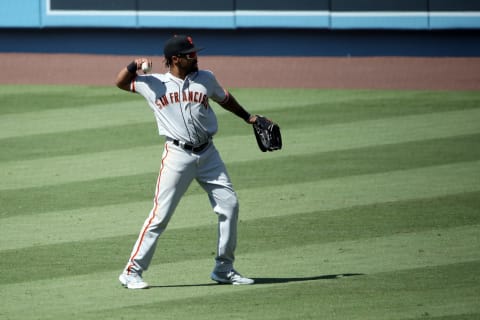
(188,56)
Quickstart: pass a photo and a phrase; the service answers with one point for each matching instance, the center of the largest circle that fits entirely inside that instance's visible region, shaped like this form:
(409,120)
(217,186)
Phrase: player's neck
(181,74)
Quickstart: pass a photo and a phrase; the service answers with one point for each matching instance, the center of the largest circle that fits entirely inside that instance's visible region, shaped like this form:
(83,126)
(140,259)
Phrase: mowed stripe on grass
(390,197)
(375,262)
(312,167)
(315,108)
(191,242)
(55,170)
(298,198)
(43,110)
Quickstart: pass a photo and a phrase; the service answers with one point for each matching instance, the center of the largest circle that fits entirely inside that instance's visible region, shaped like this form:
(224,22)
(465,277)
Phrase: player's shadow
(260,281)
(322,277)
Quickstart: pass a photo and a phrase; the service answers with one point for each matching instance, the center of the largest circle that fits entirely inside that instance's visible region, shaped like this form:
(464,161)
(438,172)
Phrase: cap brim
(194,49)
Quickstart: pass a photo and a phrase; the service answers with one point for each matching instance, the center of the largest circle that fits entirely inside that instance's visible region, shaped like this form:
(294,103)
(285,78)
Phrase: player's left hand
(267,134)
(252,119)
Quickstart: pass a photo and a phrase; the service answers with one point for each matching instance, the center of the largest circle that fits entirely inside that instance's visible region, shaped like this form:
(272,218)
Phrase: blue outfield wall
(233,14)
(245,27)
(246,42)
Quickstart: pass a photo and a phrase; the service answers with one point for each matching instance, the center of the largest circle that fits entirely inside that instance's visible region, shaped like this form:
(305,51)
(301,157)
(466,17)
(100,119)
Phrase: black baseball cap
(179,44)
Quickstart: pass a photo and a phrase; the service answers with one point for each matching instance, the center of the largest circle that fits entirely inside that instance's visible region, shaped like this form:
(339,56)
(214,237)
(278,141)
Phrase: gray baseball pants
(178,169)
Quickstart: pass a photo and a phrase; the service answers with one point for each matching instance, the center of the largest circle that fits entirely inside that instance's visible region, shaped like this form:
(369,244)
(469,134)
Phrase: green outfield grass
(371,210)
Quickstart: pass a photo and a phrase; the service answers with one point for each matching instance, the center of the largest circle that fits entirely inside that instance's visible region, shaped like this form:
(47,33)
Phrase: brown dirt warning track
(252,72)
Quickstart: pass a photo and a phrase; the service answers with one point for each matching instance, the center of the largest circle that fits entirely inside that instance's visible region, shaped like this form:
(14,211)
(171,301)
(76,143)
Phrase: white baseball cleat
(231,277)
(132,281)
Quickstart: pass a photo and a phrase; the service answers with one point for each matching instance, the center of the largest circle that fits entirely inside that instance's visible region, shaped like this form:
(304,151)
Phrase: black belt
(190,147)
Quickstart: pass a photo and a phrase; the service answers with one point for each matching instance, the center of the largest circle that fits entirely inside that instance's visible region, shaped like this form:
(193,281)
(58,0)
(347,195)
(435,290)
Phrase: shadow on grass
(286,280)
(185,285)
(259,281)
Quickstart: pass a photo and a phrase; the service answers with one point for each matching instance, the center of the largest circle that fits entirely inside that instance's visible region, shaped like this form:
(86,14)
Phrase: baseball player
(180,101)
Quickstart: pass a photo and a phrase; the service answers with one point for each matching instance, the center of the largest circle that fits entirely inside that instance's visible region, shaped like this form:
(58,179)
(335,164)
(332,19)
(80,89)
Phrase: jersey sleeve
(139,84)
(218,93)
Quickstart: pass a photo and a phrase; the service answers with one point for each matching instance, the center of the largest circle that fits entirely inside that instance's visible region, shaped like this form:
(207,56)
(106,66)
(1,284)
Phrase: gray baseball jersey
(181,107)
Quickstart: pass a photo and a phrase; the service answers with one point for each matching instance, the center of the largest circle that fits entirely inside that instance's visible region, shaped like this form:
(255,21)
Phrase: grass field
(371,210)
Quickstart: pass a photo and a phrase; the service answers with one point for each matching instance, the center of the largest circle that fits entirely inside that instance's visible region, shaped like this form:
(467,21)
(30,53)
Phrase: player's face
(189,62)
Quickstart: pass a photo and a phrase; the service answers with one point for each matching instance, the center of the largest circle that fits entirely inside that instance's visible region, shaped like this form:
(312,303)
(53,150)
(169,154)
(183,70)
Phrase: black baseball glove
(267,134)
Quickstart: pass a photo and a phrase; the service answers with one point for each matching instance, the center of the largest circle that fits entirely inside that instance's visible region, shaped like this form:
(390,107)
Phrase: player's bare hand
(144,64)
